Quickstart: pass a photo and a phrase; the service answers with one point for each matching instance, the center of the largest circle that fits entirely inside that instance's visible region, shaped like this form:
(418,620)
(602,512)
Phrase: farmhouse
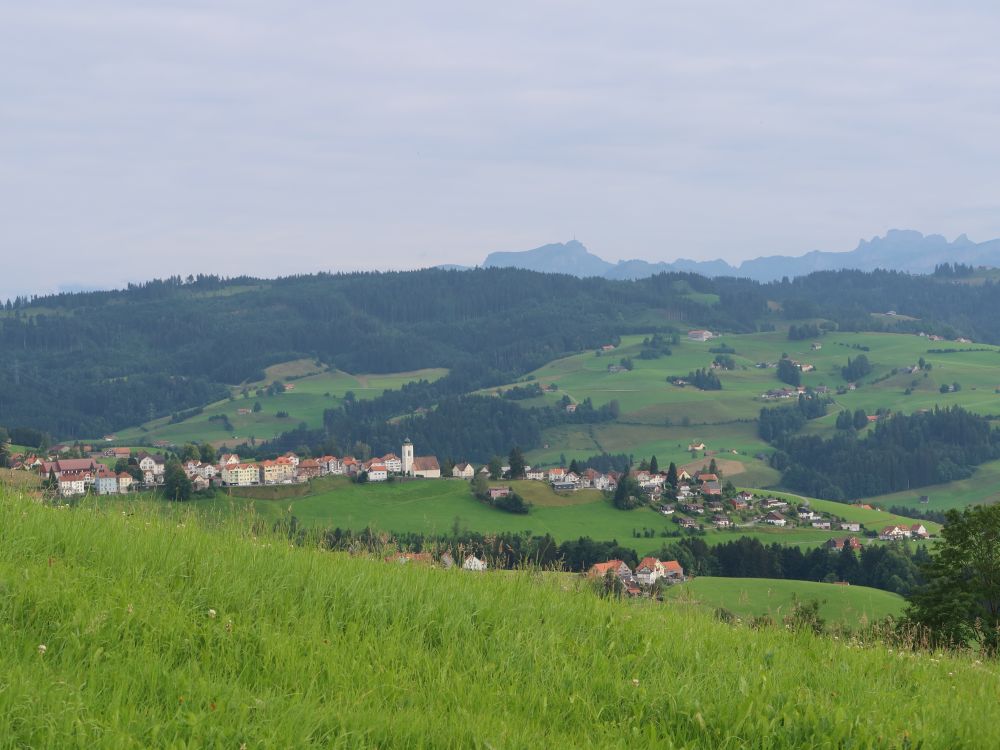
(463,471)
(699,335)
(649,570)
(775,519)
(894,533)
(498,492)
(537,475)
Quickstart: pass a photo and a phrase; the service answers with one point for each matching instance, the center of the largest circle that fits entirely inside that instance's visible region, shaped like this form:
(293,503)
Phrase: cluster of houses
(78,476)
(899,533)
(647,573)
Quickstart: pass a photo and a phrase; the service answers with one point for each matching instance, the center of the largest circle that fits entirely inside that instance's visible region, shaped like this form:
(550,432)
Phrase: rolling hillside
(147,629)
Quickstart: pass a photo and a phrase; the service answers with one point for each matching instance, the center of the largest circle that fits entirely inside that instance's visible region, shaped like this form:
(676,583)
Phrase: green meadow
(148,628)
(440,506)
(754,597)
(313,391)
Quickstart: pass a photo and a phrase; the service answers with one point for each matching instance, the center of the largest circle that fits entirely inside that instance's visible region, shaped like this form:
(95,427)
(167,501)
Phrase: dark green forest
(85,364)
(903,452)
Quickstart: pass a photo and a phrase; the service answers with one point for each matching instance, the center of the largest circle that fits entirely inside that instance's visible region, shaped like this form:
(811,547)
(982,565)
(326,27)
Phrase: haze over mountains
(903,250)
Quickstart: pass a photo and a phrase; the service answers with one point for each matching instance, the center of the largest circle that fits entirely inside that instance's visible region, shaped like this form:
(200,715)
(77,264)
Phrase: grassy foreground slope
(307,648)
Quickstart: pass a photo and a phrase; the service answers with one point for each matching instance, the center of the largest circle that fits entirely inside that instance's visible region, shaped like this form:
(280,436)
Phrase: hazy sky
(142,139)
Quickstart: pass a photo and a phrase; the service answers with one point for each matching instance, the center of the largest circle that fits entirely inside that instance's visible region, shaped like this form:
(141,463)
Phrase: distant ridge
(901,249)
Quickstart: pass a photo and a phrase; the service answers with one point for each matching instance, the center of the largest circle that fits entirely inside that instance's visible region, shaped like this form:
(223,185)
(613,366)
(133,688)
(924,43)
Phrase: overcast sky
(142,139)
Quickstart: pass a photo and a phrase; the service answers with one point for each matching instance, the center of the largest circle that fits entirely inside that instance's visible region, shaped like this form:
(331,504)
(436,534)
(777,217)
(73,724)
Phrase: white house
(699,335)
(378,473)
(393,464)
(152,467)
(537,475)
(474,563)
(851,526)
(71,484)
(463,471)
(649,570)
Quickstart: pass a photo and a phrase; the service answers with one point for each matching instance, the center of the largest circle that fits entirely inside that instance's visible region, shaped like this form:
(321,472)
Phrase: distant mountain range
(903,250)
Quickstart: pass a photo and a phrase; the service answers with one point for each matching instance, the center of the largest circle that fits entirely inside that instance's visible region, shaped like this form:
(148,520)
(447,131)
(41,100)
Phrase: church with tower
(426,467)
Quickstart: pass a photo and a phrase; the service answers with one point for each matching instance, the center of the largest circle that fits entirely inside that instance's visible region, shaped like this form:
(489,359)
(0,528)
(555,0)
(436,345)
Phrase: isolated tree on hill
(517,463)
(654,466)
(176,485)
(495,467)
(860,419)
(628,495)
(960,603)
(672,478)
(257,408)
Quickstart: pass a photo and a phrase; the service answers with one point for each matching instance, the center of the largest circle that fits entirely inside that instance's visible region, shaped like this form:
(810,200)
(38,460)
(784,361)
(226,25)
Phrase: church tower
(407,457)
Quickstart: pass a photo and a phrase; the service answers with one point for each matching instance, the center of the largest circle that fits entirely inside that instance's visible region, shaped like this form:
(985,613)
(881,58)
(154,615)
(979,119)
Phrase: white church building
(426,467)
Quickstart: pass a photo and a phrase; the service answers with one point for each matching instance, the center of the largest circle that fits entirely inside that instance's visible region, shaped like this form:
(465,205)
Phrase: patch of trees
(628,494)
(724,361)
(523,392)
(856,368)
(848,421)
(509,503)
(954,270)
(895,568)
(775,423)
(804,331)
(937,516)
(960,604)
(902,452)
(703,379)
(605,462)
(658,345)
(788,372)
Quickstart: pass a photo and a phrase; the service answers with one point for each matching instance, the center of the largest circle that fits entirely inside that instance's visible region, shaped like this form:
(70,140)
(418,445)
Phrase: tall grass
(162,632)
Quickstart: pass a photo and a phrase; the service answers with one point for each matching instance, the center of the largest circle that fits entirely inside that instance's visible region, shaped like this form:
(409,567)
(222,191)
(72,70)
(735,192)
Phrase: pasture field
(440,506)
(753,597)
(666,443)
(982,488)
(152,629)
(310,397)
(646,397)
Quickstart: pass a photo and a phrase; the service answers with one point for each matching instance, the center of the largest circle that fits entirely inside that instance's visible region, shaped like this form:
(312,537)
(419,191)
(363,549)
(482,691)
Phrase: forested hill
(91,363)
(86,364)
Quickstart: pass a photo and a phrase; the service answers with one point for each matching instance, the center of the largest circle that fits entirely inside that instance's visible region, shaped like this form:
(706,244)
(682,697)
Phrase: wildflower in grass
(42,648)
(129,609)
(229,626)
(211,613)
(635,682)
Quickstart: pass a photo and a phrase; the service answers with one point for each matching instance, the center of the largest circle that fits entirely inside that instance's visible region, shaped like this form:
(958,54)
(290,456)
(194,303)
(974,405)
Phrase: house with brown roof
(619,568)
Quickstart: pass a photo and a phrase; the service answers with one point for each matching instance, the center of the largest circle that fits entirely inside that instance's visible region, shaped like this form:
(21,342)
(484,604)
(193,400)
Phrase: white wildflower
(211,613)
(42,648)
